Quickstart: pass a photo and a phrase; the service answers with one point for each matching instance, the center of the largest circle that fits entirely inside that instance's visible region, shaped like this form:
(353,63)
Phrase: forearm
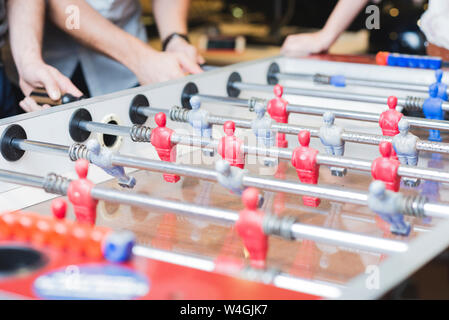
(26,21)
(171,16)
(344,13)
(98,33)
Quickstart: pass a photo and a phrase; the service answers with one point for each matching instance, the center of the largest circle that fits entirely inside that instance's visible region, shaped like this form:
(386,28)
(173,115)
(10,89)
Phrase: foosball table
(315,178)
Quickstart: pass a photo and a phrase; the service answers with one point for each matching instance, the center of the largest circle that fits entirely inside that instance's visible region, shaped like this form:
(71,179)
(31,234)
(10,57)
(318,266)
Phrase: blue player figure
(442,87)
(102,158)
(433,109)
(331,138)
(231,178)
(404,143)
(261,127)
(198,119)
(387,205)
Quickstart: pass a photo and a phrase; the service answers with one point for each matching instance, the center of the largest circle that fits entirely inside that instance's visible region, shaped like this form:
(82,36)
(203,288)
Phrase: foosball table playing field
(315,178)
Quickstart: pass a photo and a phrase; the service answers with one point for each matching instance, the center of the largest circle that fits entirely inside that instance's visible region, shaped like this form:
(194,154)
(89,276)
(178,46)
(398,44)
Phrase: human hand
(178,44)
(154,66)
(306,43)
(37,75)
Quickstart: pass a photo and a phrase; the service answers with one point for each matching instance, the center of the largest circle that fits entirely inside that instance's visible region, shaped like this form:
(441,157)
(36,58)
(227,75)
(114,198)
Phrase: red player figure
(84,205)
(385,168)
(304,160)
(389,119)
(249,227)
(59,208)
(277,109)
(161,140)
(230,147)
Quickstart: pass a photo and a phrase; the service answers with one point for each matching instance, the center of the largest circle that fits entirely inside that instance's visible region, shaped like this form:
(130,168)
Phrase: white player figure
(330,136)
(387,205)
(404,143)
(198,119)
(261,127)
(231,178)
(102,158)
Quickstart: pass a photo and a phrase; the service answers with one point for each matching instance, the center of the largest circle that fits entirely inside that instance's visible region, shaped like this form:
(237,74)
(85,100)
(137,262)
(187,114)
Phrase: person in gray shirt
(106,40)
(25,20)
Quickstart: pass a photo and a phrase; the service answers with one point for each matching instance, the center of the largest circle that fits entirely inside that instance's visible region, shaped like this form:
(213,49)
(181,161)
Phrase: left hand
(178,44)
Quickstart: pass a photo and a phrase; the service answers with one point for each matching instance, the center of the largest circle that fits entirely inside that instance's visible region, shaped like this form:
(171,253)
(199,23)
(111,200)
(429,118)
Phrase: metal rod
(365,138)
(299,231)
(268,184)
(343,162)
(352,81)
(37,146)
(22,179)
(342,114)
(281,280)
(104,128)
(331,95)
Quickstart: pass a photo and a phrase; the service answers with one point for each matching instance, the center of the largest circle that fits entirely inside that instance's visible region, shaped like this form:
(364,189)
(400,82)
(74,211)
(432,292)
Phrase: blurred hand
(178,44)
(298,45)
(155,66)
(37,75)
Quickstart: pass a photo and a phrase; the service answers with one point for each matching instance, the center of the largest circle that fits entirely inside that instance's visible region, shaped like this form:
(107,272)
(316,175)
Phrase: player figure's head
(328,118)
(229,128)
(82,168)
(195,102)
(160,119)
(433,90)
(250,198)
(404,127)
(377,189)
(304,138)
(223,167)
(392,102)
(278,90)
(439,75)
(259,109)
(385,149)
(93,146)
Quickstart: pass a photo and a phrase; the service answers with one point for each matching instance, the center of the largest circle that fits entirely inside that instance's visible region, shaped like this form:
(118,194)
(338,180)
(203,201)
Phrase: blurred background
(264,24)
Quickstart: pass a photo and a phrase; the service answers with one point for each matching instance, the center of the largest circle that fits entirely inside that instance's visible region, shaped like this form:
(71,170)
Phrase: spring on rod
(179,114)
(56,184)
(78,151)
(140,133)
(414,205)
(414,103)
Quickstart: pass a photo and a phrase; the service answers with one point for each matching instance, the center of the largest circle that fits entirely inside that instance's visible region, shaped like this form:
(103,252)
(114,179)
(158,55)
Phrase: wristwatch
(170,38)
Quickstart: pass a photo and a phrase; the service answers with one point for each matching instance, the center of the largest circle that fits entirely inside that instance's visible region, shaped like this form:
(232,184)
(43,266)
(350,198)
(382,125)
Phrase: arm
(26,20)
(100,34)
(340,19)
(171,16)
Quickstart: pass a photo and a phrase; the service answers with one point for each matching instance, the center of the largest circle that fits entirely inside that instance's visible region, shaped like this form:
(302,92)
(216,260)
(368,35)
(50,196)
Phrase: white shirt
(103,75)
(435,23)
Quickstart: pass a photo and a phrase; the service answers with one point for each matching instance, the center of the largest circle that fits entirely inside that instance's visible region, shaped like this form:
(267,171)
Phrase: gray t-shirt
(103,75)
(3,23)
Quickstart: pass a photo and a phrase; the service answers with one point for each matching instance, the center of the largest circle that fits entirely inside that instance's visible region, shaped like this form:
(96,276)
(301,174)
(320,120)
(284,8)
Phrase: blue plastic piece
(413,61)
(442,87)
(118,246)
(433,109)
(338,81)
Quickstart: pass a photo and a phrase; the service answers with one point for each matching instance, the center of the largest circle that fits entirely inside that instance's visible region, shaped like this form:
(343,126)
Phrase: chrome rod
(37,146)
(299,231)
(342,114)
(23,179)
(280,280)
(104,128)
(403,102)
(364,138)
(352,81)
